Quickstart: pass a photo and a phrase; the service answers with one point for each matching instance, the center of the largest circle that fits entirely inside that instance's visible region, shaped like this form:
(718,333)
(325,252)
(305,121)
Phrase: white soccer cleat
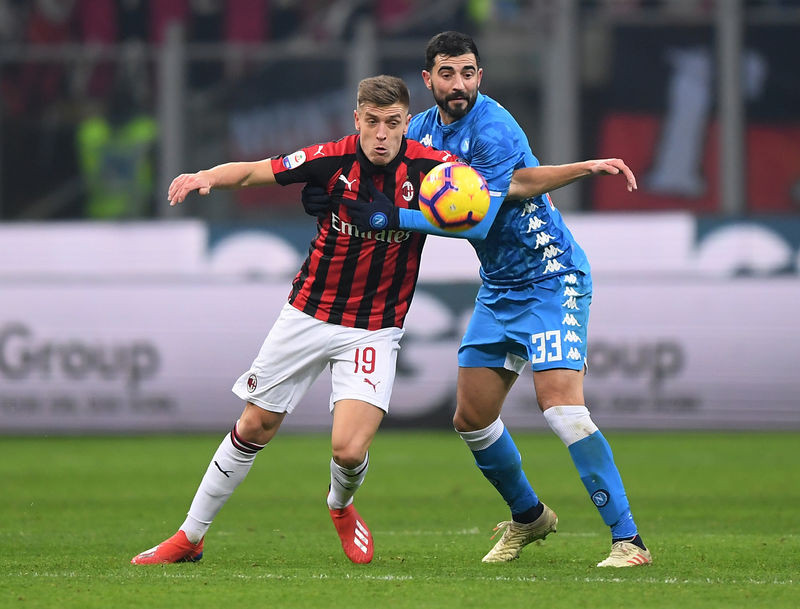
(626,554)
(517,536)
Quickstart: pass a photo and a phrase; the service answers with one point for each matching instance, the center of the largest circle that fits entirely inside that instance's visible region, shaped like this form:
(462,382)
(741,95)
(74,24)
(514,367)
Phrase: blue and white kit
(534,301)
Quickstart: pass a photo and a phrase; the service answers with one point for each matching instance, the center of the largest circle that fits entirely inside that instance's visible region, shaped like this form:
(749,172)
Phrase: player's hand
(613,167)
(316,200)
(186,183)
(379,214)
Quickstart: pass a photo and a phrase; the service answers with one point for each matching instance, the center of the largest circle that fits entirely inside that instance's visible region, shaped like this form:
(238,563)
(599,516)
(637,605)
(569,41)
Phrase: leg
(354,426)
(560,396)
(362,377)
(480,396)
(229,466)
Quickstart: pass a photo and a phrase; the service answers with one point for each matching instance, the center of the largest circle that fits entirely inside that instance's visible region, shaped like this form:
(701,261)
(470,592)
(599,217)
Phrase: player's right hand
(186,183)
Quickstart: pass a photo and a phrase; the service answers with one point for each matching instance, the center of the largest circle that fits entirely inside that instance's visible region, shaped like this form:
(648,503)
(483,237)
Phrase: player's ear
(356,120)
(408,120)
(426,76)
(480,76)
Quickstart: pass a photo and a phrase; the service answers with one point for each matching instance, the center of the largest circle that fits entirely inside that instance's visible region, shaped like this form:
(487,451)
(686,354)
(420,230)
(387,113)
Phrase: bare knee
(258,425)
(466,419)
(349,455)
(480,393)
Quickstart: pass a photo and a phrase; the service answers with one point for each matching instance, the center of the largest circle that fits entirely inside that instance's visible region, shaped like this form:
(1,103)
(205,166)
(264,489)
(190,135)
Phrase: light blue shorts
(545,323)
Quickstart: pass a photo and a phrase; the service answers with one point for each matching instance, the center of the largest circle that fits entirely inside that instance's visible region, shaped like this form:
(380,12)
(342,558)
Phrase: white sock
(227,469)
(345,483)
(570,423)
(483,438)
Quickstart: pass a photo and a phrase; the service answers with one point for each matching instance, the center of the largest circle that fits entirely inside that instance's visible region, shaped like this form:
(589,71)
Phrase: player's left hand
(379,214)
(613,167)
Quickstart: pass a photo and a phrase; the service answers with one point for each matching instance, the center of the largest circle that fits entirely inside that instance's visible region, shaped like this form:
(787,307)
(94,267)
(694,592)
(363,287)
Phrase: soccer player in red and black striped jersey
(345,311)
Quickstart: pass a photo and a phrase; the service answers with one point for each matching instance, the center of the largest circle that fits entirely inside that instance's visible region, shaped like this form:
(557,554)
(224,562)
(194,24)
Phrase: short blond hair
(383,91)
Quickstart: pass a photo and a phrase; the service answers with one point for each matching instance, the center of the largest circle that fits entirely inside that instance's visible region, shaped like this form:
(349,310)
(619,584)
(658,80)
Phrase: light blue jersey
(518,242)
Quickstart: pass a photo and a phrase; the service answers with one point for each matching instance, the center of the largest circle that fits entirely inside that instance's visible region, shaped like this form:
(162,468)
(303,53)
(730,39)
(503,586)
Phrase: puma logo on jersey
(319,151)
(348,182)
(373,385)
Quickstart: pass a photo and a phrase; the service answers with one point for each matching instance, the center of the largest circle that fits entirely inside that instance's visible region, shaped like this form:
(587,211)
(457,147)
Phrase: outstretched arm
(228,175)
(533,181)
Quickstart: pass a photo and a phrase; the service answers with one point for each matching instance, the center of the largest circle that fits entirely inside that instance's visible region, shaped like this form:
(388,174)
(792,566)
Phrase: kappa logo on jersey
(570,303)
(529,207)
(407,191)
(427,140)
(319,151)
(569,320)
(252,383)
(543,239)
(571,337)
(294,160)
(348,182)
(535,223)
(553,266)
(551,251)
(574,354)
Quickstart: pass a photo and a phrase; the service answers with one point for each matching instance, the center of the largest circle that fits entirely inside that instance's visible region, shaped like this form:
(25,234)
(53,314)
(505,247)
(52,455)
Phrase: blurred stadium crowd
(82,121)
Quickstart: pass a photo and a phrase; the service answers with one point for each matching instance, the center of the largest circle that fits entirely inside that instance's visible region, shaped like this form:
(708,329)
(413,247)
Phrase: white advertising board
(161,355)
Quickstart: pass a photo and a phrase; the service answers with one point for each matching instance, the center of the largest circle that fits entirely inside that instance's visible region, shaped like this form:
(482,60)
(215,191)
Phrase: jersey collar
(370,169)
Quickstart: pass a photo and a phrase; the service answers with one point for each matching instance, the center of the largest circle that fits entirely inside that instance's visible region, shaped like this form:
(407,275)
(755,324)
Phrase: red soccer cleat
(354,534)
(175,549)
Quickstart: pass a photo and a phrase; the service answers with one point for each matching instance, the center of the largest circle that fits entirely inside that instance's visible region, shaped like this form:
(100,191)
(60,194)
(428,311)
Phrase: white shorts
(299,347)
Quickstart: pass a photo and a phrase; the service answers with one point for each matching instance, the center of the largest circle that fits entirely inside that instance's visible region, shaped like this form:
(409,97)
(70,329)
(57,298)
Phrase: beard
(455,112)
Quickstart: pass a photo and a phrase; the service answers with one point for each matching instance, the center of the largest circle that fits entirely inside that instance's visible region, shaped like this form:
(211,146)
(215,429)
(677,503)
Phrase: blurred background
(119,313)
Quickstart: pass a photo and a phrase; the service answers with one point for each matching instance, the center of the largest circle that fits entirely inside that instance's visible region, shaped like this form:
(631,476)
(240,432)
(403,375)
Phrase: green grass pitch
(720,512)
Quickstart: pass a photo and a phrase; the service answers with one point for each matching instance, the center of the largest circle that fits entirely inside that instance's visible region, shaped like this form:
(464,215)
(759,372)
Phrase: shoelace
(619,550)
(500,526)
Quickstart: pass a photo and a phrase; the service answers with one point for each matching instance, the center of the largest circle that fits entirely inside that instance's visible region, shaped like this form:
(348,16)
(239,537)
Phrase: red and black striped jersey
(354,278)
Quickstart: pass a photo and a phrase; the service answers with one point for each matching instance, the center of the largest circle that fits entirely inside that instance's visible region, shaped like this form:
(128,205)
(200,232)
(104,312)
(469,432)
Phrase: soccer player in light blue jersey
(533,305)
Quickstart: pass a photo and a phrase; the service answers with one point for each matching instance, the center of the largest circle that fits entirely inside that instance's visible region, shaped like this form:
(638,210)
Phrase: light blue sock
(501,464)
(595,463)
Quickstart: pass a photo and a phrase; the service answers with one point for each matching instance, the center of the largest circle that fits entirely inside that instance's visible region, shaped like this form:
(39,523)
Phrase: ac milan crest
(407,190)
(252,383)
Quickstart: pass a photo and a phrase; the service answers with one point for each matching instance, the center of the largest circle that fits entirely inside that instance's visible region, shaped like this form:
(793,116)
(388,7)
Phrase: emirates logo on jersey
(407,191)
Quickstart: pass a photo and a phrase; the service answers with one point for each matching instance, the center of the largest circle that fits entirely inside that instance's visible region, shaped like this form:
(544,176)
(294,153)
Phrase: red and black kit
(354,278)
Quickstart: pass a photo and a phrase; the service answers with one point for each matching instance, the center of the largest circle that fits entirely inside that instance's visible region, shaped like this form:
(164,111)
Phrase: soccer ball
(453,197)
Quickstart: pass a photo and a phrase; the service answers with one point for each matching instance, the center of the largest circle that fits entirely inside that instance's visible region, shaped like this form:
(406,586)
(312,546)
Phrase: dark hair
(383,91)
(451,44)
